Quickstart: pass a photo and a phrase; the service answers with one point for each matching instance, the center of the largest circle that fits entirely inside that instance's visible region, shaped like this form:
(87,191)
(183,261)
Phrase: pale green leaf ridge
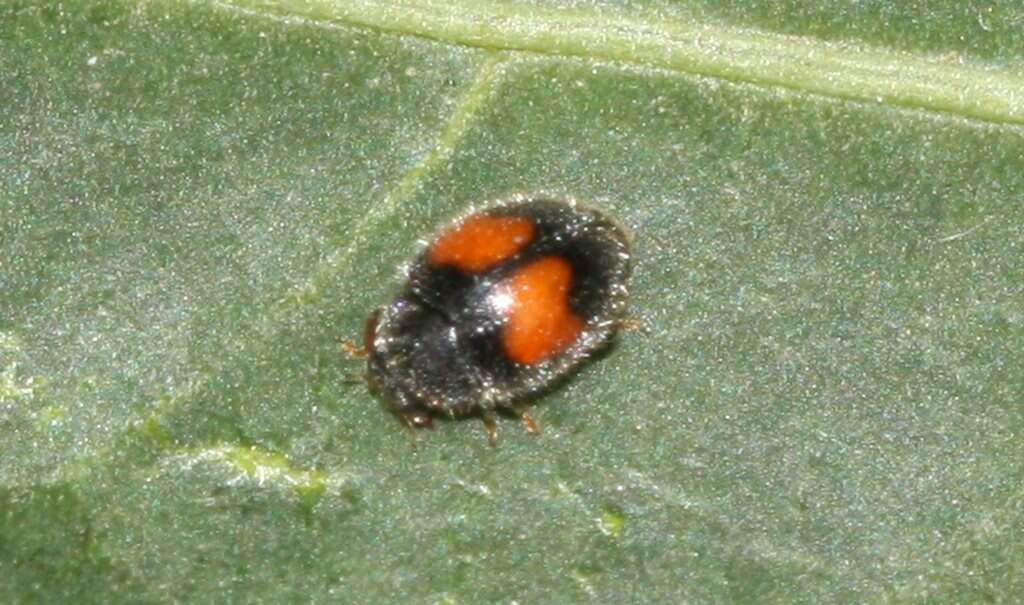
(843,70)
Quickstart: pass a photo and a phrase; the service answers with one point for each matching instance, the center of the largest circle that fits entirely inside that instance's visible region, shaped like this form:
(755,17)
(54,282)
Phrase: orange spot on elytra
(481,242)
(539,323)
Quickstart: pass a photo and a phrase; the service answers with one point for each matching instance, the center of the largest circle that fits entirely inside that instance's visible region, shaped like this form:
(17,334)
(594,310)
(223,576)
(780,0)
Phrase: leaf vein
(834,69)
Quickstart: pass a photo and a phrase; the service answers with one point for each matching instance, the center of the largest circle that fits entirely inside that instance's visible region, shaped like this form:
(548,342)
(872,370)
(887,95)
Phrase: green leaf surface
(200,201)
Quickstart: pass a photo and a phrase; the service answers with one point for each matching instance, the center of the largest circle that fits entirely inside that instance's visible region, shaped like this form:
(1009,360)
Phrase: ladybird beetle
(503,303)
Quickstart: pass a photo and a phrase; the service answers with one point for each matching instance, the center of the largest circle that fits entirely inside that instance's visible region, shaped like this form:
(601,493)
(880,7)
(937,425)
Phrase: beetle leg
(632,324)
(353,350)
(415,419)
(492,429)
(528,422)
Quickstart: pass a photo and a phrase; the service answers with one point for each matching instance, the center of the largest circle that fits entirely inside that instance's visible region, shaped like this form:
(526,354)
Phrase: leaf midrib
(834,69)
